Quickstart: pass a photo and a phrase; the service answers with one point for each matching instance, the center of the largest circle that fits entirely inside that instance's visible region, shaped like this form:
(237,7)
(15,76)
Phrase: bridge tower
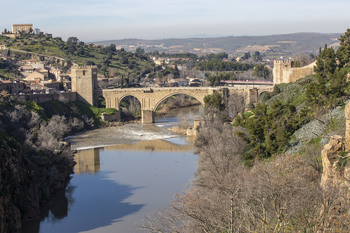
(280,67)
(84,83)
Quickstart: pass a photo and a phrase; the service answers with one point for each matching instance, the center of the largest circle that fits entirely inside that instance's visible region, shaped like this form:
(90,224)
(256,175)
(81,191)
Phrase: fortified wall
(284,73)
(41,98)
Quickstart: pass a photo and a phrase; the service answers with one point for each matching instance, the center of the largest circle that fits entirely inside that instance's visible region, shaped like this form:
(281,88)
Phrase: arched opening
(175,101)
(180,109)
(130,108)
(101,102)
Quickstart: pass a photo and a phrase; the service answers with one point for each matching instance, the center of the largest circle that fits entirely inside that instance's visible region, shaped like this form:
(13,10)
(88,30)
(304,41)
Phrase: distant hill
(272,45)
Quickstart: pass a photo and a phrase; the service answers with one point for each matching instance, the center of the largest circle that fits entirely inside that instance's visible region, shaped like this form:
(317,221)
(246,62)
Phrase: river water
(122,174)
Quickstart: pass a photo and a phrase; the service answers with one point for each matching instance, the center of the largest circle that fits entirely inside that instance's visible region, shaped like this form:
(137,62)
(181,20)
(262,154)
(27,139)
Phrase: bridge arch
(127,95)
(132,108)
(200,100)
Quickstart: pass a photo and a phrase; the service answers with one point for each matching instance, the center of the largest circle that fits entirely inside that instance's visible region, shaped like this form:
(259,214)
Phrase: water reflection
(100,202)
(87,161)
(52,212)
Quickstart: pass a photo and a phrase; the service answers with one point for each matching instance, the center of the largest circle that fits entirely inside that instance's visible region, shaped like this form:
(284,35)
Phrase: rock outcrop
(347,127)
(336,173)
(26,183)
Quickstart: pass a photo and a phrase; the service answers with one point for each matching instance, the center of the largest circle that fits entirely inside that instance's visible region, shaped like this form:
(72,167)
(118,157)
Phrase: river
(122,174)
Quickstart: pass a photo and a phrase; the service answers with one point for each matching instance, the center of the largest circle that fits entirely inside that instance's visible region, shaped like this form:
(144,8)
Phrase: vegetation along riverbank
(35,161)
(278,167)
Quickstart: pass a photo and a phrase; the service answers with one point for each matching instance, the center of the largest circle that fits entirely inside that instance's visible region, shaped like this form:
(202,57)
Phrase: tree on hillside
(215,100)
(72,41)
(111,49)
(330,88)
(257,56)
(139,52)
(246,56)
(261,71)
(343,52)
(325,64)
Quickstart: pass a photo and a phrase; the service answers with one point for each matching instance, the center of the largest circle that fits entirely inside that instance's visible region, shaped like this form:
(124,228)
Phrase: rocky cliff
(26,183)
(336,172)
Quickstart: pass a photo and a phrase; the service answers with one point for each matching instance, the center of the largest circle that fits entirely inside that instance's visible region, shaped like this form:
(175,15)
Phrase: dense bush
(218,65)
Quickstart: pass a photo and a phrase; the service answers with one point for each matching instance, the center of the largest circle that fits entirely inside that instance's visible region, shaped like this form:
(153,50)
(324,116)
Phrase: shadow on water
(100,203)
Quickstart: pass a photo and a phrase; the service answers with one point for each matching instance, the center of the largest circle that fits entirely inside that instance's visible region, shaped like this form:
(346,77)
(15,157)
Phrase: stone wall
(284,73)
(113,117)
(41,98)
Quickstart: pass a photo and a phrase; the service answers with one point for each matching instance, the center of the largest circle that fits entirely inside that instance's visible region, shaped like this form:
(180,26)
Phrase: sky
(159,19)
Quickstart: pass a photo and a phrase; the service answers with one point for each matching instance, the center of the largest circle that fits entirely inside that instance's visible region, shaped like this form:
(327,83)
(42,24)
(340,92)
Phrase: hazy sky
(156,19)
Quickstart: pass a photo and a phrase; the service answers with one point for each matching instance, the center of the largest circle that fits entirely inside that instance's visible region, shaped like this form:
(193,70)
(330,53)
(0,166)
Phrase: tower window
(83,72)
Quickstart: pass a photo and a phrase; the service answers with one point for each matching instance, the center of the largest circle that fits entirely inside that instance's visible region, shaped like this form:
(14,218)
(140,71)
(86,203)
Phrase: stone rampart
(284,73)
(41,98)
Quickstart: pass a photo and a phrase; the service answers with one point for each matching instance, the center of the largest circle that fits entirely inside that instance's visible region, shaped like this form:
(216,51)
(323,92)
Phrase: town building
(37,77)
(12,87)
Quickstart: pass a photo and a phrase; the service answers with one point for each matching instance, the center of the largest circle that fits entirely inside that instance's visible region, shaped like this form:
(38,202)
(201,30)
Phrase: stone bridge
(151,98)
(85,85)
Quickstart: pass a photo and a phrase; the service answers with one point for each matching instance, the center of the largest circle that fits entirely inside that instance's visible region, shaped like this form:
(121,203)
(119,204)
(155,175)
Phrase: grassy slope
(56,47)
(310,137)
(72,109)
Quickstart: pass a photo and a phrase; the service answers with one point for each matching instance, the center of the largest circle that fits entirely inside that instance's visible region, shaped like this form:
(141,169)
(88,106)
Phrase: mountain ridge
(273,45)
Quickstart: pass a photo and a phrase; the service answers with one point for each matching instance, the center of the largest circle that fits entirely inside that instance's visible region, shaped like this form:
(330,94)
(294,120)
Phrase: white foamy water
(129,133)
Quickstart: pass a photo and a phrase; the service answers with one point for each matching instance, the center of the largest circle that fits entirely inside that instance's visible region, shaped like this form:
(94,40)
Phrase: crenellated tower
(84,83)
(280,67)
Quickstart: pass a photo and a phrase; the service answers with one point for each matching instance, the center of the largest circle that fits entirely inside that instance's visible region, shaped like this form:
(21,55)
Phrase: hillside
(268,174)
(273,45)
(108,59)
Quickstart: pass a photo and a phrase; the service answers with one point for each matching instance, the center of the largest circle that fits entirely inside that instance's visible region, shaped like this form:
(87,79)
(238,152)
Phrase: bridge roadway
(151,98)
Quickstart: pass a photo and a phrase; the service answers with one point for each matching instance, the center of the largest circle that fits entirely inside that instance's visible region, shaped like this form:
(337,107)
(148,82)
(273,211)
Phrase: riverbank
(27,181)
(138,166)
(36,163)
